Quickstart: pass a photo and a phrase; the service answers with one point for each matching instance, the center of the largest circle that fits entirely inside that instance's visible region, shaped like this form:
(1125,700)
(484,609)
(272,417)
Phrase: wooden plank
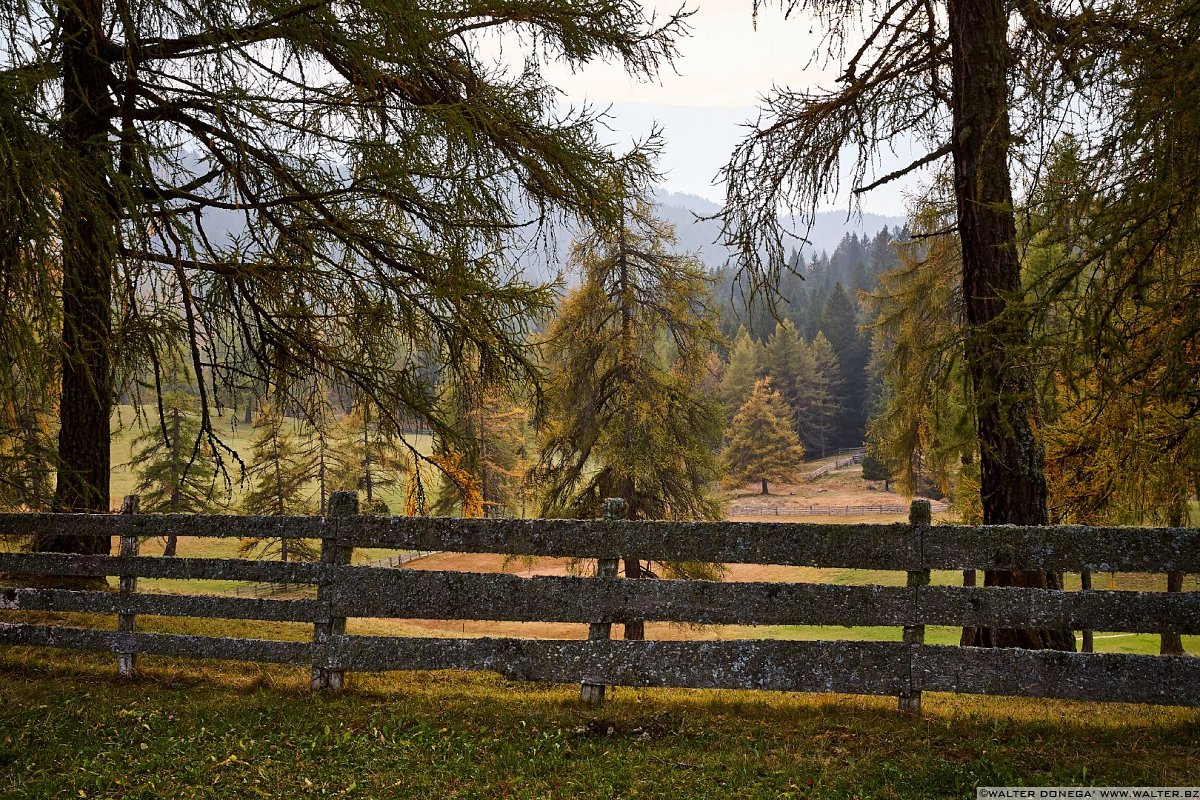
(1072,548)
(1063,548)
(230,569)
(1114,677)
(854,667)
(804,544)
(1137,612)
(167,605)
(191,525)
(422,594)
(164,644)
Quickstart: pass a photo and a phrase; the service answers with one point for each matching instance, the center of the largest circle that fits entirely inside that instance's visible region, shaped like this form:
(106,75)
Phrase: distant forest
(812,339)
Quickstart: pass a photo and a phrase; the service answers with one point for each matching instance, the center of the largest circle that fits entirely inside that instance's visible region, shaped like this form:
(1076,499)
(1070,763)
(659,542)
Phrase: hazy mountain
(699,235)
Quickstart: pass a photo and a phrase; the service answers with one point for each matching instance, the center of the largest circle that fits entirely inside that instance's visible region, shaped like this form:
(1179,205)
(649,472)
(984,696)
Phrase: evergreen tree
(783,357)
(817,405)
(219,160)
(175,466)
(762,445)
(839,323)
(625,415)
(490,447)
(741,372)
(280,472)
(366,458)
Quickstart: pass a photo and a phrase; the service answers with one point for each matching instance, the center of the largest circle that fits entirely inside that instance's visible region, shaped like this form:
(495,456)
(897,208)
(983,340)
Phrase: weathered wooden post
(919,518)
(333,555)
(593,693)
(127,585)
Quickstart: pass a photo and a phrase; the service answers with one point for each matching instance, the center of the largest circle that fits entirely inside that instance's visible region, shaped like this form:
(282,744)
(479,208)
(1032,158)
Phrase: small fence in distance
(846,458)
(903,669)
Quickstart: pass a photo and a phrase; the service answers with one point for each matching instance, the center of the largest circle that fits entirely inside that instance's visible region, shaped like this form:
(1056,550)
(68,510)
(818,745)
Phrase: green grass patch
(200,730)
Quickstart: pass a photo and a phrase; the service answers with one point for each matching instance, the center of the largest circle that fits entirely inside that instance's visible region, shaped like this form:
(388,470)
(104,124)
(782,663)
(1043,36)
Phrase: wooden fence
(812,510)
(899,668)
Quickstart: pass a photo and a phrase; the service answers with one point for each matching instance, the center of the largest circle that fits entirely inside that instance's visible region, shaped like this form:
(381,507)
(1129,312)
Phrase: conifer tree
(280,473)
(783,356)
(762,445)
(839,323)
(365,458)
(817,404)
(175,467)
(490,446)
(178,173)
(625,416)
(740,374)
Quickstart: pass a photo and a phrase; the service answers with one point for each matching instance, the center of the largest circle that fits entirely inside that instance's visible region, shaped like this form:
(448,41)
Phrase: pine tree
(839,323)
(740,374)
(762,445)
(817,404)
(783,357)
(627,354)
(365,458)
(175,466)
(379,162)
(490,447)
(280,474)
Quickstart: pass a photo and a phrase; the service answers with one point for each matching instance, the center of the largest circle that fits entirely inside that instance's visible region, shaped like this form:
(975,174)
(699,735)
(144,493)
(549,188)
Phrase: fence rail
(904,668)
(812,510)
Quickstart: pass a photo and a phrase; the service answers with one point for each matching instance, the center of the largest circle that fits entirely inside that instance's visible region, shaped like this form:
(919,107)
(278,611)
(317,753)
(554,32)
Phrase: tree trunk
(1171,644)
(88,246)
(1013,486)
(635,628)
(176,488)
(764,486)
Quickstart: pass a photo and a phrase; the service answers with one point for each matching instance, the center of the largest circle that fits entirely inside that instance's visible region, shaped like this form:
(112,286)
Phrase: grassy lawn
(70,728)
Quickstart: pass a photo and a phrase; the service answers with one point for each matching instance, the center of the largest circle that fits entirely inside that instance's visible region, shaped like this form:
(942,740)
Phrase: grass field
(69,728)
(182,729)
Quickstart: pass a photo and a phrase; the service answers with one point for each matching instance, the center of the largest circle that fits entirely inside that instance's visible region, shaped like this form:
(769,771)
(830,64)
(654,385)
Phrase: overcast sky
(726,66)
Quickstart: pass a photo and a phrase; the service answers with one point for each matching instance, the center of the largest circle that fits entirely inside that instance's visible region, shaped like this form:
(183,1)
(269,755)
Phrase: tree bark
(635,629)
(1013,484)
(764,486)
(1171,644)
(88,248)
(176,488)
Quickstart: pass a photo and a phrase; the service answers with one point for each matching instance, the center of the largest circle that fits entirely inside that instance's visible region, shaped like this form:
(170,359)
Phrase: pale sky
(725,67)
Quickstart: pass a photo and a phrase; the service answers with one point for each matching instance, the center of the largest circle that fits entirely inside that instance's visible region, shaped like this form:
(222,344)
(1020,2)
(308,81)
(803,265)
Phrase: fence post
(127,585)
(593,693)
(333,555)
(919,518)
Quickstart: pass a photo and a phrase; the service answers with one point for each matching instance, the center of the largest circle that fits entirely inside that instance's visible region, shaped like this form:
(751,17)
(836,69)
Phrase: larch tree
(280,472)
(367,457)
(492,429)
(762,445)
(179,174)
(627,355)
(175,467)
(953,76)
(740,373)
